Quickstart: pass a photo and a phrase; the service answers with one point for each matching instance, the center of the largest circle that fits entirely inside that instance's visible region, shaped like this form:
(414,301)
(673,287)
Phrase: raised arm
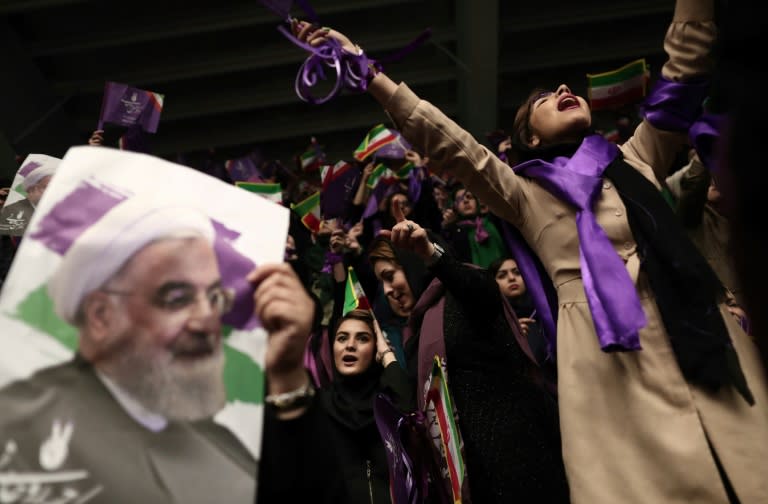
(662,133)
(436,136)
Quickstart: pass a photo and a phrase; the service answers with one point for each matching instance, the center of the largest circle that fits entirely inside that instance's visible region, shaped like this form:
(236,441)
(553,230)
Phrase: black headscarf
(418,277)
(349,399)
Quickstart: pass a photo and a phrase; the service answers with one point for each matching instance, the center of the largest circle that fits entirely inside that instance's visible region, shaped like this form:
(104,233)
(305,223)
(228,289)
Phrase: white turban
(99,253)
(47,167)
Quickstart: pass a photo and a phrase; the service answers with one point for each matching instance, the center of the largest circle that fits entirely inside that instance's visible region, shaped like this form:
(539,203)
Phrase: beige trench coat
(634,431)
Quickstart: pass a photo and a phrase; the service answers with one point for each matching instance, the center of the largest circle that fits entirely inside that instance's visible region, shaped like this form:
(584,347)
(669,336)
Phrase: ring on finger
(410,228)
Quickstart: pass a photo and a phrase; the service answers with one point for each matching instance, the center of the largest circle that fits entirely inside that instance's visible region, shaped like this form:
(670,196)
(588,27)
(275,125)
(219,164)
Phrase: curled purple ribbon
(352,70)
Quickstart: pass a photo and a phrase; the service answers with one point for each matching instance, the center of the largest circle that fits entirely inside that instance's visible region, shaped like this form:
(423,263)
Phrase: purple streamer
(353,71)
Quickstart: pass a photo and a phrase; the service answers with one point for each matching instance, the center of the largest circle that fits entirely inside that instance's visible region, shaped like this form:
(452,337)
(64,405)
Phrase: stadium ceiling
(227,73)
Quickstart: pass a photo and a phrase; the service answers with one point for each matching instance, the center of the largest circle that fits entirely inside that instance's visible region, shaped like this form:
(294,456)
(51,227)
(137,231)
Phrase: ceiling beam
(18,6)
(186,23)
(575,13)
(199,103)
(196,65)
(262,128)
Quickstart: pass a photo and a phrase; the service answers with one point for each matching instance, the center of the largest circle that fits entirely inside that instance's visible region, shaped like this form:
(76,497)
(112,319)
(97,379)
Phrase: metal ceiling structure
(227,74)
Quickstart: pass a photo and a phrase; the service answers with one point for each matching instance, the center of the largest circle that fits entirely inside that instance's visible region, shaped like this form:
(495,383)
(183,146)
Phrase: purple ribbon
(352,70)
(673,106)
(611,294)
(704,134)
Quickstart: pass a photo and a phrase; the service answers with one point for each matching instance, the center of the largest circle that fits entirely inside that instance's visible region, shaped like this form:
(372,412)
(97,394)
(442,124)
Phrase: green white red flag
(272,192)
(440,410)
(354,296)
(616,88)
(376,138)
(309,211)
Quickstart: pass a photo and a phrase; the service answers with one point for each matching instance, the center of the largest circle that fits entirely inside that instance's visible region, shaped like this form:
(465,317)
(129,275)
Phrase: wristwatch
(292,400)
(436,255)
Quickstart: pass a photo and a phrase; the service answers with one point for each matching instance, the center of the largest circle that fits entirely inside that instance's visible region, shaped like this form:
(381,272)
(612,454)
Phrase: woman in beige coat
(645,417)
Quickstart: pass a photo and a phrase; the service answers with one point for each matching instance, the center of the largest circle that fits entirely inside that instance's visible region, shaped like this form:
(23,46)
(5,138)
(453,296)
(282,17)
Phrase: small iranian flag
(405,170)
(379,173)
(383,174)
(440,404)
(378,137)
(329,173)
(618,87)
(309,211)
(354,296)
(273,192)
(312,158)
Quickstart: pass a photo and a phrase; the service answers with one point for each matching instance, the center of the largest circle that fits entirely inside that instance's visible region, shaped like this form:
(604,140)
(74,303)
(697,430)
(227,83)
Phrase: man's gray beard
(185,391)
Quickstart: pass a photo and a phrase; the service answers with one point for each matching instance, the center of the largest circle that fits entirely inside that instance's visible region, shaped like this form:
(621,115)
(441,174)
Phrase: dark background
(227,74)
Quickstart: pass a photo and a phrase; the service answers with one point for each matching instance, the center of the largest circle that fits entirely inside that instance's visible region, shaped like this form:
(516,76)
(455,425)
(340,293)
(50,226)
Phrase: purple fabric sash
(611,294)
(481,235)
(674,106)
(704,134)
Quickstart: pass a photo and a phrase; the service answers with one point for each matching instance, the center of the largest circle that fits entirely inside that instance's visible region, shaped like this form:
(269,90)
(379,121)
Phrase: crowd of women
(595,340)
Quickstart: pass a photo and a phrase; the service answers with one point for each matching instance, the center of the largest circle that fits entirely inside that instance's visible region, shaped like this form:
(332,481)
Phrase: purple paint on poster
(89,202)
(233,268)
(27,168)
(75,213)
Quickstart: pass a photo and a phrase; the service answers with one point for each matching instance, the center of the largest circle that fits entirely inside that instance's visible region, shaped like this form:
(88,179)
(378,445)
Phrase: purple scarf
(481,235)
(613,301)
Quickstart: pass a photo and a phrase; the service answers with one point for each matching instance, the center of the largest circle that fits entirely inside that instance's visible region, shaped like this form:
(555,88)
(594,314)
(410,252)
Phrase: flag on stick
(339,183)
(312,159)
(129,106)
(272,192)
(376,138)
(618,87)
(309,211)
(440,406)
(354,296)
